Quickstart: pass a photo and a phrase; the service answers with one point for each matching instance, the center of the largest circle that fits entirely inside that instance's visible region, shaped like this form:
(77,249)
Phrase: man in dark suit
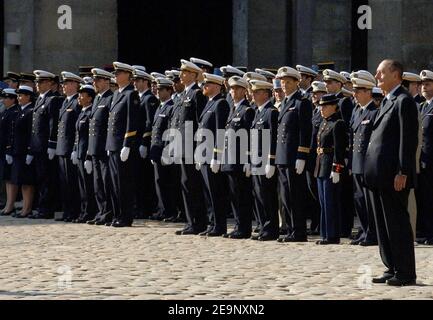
(42,148)
(185,121)
(424,190)
(68,160)
(146,200)
(98,164)
(213,118)
(390,173)
(361,127)
(293,148)
(240,185)
(263,167)
(121,144)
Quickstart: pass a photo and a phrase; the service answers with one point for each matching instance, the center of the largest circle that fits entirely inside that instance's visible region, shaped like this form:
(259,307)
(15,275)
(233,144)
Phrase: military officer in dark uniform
(262,158)
(65,144)
(334,85)
(12,79)
(293,148)
(412,83)
(22,175)
(146,199)
(236,159)
(96,150)
(424,190)
(213,118)
(121,144)
(308,75)
(165,174)
(319,90)
(7,123)
(85,177)
(27,79)
(361,127)
(390,173)
(228,72)
(331,148)
(185,120)
(178,87)
(43,143)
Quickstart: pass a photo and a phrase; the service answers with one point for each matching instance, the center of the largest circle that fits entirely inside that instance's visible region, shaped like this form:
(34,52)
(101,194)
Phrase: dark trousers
(146,200)
(394,232)
(266,199)
(313,202)
(165,185)
(214,185)
(69,186)
(424,203)
(241,201)
(193,198)
(347,204)
(101,186)
(363,209)
(47,178)
(293,191)
(330,211)
(122,184)
(176,176)
(85,183)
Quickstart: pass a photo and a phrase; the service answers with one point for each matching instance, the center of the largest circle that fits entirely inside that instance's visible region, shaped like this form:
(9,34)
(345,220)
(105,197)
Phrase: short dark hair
(395,66)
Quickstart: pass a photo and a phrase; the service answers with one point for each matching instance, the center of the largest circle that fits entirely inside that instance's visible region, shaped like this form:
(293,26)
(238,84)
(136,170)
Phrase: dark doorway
(359,39)
(157,34)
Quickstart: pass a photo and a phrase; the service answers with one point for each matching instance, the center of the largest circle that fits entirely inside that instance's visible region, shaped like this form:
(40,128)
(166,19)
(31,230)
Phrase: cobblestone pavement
(49,260)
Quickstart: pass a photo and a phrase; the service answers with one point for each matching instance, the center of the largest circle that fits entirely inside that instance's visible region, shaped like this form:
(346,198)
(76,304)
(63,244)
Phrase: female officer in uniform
(331,143)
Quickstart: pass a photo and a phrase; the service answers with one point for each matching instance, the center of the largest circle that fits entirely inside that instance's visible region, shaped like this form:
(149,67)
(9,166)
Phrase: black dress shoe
(383,278)
(169,219)
(368,243)
(355,242)
(395,282)
(327,242)
(92,222)
(267,238)
(215,234)
(4,213)
(429,242)
(238,235)
(100,223)
(293,239)
(189,232)
(120,224)
(255,237)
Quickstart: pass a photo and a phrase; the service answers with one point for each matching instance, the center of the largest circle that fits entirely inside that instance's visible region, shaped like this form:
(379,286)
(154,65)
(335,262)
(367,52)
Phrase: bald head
(389,74)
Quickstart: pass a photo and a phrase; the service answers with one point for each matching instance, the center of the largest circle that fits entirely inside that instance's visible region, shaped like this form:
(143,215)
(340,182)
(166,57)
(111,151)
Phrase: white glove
(88,166)
(108,153)
(300,166)
(198,166)
(51,153)
(247,170)
(143,152)
(29,160)
(346,161)
(270,171)
(9,159)
(423,165)
(335,177)
(124,154)
(215,166)
(74,158)
(152,162)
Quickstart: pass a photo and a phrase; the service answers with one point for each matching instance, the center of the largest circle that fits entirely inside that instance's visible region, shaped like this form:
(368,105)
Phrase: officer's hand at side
(51,153)
(198,166)
(215,166)
(270,171)
(29,160)
(335,177)
(300,166)
(400,182)
(74,158)
(247,170)
(88,166)
(9,159)
(124,154)
(143,152)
